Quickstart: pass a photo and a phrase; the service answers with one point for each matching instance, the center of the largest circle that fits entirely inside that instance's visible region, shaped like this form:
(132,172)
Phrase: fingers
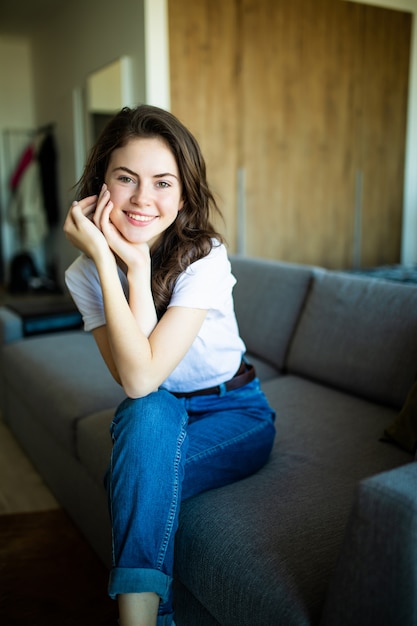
(92,205)
(79,210)
(103,208)
(96,209)
(86,205)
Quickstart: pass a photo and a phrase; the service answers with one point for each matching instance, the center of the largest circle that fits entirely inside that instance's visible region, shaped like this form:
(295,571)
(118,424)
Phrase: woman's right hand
(81,230)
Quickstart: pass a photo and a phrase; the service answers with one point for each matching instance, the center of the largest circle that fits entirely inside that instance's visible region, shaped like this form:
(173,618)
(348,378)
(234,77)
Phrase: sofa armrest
(375,581)
(11,326)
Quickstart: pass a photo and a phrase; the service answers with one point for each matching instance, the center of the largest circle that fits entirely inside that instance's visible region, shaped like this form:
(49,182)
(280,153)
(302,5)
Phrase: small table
(45,314)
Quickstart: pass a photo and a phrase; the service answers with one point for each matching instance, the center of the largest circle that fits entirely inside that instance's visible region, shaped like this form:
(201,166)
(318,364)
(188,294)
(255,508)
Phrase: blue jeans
(168,449)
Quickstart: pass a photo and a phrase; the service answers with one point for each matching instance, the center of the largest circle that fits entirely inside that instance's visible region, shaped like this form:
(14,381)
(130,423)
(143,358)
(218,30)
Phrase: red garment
(25,160)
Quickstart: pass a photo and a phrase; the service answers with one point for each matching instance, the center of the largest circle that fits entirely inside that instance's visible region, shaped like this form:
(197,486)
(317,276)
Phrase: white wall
(409,238)
(16,119)
(104,89)
(16,94)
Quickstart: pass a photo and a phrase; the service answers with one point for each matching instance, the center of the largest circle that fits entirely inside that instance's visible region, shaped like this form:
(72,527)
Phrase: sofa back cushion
(360,335)
(268,297)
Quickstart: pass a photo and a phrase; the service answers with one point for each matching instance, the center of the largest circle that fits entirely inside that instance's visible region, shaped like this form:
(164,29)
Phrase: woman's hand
(135,256)
(135,259)
(81,230)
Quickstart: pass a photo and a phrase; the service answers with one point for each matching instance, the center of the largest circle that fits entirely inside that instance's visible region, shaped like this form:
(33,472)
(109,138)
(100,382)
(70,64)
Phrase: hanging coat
(47,158)
(26,211)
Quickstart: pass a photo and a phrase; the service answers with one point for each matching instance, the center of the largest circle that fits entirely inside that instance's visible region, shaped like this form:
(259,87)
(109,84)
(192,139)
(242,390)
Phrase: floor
(21,487)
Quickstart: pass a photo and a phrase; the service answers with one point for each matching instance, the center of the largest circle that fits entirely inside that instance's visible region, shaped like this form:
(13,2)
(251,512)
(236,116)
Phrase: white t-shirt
(217,351)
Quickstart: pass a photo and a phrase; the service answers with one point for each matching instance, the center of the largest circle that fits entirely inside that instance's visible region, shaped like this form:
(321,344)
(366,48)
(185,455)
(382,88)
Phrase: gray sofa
(326,532)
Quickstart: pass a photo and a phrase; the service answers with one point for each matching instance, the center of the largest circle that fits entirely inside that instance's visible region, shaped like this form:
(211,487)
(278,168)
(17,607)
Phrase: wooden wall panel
(298,129)
(304,96)
(204,77)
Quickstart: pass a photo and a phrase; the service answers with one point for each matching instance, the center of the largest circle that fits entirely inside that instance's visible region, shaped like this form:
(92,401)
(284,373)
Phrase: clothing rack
(46,128)
(43,128)
(13,142)
(21,137)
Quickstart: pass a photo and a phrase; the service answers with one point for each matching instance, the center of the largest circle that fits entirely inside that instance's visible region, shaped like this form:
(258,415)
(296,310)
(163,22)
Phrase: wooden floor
(21,487)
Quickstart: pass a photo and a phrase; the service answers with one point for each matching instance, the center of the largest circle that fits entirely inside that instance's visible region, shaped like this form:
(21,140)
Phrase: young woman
(154,286)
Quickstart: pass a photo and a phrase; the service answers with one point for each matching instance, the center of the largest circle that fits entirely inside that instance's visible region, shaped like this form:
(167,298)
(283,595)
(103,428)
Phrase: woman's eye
(125,179)
(162,184)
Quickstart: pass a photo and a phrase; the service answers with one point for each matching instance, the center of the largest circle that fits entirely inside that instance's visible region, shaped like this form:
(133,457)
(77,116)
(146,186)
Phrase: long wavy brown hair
(191,236)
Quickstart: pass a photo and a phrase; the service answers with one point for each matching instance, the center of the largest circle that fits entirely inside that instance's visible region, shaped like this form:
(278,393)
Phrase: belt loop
(222,389)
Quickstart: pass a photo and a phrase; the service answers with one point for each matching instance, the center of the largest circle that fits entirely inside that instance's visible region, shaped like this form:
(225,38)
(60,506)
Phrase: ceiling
(18,18)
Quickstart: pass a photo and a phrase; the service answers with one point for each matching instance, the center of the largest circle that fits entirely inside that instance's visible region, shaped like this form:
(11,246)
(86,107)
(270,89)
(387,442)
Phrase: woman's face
(145,188)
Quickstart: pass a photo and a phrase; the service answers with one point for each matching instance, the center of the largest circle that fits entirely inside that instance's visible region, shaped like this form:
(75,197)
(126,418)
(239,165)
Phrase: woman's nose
(141,195)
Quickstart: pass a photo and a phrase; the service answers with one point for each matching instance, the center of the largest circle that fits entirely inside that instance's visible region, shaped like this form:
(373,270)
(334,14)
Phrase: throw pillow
(403,430)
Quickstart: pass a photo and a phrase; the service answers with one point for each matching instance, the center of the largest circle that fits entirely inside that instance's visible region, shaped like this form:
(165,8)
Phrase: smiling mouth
(140,218)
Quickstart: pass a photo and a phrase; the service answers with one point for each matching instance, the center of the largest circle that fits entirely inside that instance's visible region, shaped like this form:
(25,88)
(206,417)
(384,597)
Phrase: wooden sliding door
(298,128)
(307,100)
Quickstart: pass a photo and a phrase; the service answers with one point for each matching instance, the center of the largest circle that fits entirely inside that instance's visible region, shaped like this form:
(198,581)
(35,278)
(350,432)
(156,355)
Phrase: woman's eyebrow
(165,174)
(124,169)
(132,173)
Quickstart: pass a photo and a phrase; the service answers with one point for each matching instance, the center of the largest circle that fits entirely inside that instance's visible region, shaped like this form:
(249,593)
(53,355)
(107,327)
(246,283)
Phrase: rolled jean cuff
(139,580)
(165,620)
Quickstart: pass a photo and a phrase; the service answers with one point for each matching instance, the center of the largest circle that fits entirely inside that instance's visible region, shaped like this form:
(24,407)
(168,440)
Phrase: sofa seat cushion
(358,335)
(266,546)
(94,443)
(62,378)
(264,370)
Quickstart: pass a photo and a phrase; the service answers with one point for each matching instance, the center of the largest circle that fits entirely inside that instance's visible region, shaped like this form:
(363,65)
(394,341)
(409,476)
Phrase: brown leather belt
(244,375)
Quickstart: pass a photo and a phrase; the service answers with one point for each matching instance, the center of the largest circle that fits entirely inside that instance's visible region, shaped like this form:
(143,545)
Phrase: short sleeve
(205,284)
